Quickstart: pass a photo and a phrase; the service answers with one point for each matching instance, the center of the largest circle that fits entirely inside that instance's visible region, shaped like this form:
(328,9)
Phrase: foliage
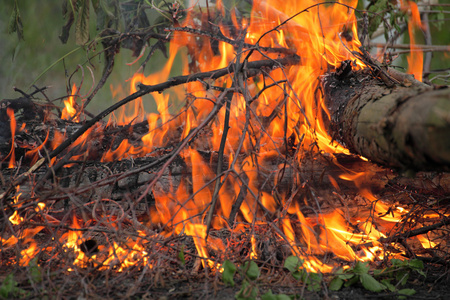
(310,279)
(398,272)
(389,278)
(378,10)
(229,269)
(35,271)
(9,288)
(249,289)
(250,273)
(181,256)
(15,22)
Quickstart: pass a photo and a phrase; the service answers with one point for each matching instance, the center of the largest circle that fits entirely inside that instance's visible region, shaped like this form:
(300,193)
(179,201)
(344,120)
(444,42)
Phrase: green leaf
(397,262)
(65,30)
(8,286)
(407,292)
(361,268)
(370,283)
(270,296)
(352,281)
(15,22)
(378,272)
(313,281)
(181,256)
(247,291)
(252,270)
(292,263)
(105,17)
(421,273)
(283,297)
(229,269)
(416,264)
(82,23)
(440,20)
(376,15)
(35,271)
(336,284)
(389,285)
(402,276)
(106,9)
(298,275)
(345,276)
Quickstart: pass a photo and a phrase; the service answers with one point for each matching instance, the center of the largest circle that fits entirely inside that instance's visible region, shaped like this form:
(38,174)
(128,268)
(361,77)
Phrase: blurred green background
(24,61)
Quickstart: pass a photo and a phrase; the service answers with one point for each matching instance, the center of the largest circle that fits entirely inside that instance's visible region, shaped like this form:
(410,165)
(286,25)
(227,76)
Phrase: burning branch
(220,37)
(415,232)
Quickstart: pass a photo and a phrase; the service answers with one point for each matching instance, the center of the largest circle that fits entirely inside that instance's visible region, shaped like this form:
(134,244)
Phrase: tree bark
(406,126)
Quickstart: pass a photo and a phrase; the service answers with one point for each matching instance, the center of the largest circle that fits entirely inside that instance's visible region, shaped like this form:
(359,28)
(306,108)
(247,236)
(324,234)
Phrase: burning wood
(391,126)
(238,165)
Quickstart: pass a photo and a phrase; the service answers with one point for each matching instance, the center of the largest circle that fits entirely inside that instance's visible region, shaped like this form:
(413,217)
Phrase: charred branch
(220,37)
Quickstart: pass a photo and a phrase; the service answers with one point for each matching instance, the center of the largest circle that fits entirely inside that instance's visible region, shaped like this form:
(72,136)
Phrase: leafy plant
(398,271)
(311,279)
(181,256)
(249,289)
(378,13)
(35,271)
(270,296)
(359,273)
(229,269)
(9,288)
(15,22)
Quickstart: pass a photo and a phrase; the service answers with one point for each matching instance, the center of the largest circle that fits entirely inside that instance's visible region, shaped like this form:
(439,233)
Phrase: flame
(415,58)
(11,155)
(15,219)
(426,243)
(70,111)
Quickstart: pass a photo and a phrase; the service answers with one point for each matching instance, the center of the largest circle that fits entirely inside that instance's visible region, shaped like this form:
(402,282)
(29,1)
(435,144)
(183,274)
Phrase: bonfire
(281,158)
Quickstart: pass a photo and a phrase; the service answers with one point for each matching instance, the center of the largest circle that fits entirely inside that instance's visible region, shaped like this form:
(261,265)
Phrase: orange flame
(11,155)
(69,110)
(415,59)
(15,219)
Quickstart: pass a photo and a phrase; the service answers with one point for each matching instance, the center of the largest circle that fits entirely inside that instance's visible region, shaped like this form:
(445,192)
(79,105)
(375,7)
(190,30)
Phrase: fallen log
(405,126)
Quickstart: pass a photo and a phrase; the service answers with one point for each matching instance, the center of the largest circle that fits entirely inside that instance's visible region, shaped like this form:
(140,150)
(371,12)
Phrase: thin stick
(219,184)
(407,46)
(415,232)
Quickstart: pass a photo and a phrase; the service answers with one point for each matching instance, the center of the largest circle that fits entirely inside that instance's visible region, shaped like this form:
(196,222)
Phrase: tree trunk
(406,126)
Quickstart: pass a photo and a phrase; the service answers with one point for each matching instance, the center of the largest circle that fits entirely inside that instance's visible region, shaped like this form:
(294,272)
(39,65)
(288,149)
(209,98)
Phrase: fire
(11,155)
(281,104)
(15,219)
(69,111)
(415,59)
